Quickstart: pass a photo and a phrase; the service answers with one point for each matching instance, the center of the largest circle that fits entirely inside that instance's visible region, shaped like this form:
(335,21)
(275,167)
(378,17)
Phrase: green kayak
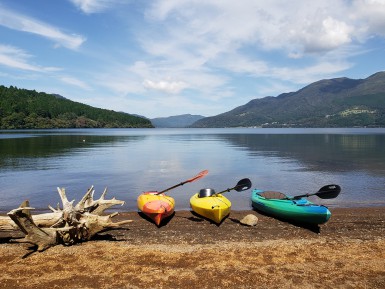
(283,207)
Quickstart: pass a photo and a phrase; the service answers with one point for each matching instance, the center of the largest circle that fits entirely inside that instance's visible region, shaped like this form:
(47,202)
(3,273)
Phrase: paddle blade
(329,192)
(243,185)
(198,176)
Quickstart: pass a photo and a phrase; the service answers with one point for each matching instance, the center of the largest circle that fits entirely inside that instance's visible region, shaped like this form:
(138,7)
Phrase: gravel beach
(190,252)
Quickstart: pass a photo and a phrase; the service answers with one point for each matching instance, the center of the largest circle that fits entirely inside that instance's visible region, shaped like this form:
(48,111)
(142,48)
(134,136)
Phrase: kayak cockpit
(273,195)
(206,193)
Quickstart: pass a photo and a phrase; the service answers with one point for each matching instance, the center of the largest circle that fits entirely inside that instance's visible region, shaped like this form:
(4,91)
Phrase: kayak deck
(214,208)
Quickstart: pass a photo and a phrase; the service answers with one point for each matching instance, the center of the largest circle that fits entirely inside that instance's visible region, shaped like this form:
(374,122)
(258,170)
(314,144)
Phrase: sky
(163,58)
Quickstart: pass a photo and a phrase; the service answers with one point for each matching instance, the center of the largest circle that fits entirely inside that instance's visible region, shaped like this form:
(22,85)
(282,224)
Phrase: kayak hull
(214,208)
(301,210)
(156,207)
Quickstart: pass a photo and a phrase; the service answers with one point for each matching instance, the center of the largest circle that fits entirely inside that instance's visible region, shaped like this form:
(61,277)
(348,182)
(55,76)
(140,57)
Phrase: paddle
(198,176)
(242,185)
(326,192)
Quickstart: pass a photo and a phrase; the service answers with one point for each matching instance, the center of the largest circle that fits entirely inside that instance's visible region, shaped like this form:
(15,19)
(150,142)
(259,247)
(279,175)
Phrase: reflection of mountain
(20,152)
(317,152)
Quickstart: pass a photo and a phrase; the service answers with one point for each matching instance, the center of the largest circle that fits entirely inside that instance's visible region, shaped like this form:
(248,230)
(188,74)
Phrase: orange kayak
(156,207)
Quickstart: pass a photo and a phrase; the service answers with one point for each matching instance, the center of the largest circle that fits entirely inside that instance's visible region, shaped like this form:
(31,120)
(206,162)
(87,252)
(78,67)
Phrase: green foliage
(339,102)
(25,109)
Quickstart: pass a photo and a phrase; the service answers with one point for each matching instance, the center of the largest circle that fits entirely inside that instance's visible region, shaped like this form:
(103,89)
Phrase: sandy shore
(189,252)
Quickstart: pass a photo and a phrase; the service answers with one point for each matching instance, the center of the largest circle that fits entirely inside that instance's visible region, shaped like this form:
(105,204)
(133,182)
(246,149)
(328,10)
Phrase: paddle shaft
(227,190)
(198,176)
(173,187)
(242,185)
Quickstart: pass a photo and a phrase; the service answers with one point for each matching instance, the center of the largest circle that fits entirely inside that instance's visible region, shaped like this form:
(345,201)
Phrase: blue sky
(169,57)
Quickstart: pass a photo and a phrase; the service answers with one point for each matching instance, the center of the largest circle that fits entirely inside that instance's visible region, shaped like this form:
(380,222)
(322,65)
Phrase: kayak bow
(156,206)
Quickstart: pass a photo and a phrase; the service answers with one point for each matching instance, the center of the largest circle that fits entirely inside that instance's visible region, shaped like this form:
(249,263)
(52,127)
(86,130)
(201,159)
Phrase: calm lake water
(129,161)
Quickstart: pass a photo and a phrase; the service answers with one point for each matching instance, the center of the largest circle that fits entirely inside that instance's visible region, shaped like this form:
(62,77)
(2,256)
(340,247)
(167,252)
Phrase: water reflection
(327,152)
(33,163)
(31,152)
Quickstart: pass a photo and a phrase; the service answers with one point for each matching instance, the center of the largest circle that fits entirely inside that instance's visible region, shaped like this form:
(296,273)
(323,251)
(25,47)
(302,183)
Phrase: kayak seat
(273,195)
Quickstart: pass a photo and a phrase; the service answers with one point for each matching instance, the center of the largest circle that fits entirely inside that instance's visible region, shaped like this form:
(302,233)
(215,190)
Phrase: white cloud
(296,28)
(243,64)
(213,52)
(24,23)
(299,42)
(143,78)
(167,86)
(75,82)
(369,16)
(18,59)
(94,6)
(122,79)
(309,73)
(330,35)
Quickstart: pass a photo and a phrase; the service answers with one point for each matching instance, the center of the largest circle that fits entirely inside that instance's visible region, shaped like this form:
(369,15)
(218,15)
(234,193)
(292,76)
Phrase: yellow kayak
(215,207)
(156,206)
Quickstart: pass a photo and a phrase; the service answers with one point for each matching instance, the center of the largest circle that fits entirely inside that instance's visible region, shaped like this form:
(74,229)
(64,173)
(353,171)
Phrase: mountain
(183,120)
(338,102)
(25,109)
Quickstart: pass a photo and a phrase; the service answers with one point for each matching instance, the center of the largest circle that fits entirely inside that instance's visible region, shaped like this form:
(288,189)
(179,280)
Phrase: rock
(249,220)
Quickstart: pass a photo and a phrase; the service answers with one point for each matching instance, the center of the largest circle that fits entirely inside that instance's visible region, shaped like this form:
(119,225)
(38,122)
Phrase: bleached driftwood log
(41,220)
(69,225)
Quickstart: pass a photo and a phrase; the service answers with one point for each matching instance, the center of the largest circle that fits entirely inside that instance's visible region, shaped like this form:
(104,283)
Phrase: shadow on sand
(6,240)
(163,223)
(311,227)
(198,218)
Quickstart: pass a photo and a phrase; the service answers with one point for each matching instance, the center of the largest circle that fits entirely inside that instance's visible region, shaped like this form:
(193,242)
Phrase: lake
(129,161)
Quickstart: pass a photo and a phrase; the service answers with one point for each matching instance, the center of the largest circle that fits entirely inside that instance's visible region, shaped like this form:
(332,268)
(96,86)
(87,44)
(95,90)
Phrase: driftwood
(41,220)
(67,226)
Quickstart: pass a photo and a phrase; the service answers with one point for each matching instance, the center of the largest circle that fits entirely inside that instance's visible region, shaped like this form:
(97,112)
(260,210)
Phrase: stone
(249,220)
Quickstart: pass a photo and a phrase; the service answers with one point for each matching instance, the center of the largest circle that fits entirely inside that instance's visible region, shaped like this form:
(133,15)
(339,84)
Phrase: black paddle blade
(243,185)
(329,192)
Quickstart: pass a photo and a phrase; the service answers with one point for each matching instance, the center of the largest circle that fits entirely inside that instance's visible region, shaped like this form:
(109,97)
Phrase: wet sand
(191,252)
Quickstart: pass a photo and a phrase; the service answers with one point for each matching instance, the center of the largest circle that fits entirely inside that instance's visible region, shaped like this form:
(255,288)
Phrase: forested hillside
(338,102)
(27,109)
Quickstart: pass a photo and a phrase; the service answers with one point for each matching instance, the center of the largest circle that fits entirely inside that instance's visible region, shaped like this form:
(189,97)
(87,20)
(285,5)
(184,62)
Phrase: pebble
(249,220)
